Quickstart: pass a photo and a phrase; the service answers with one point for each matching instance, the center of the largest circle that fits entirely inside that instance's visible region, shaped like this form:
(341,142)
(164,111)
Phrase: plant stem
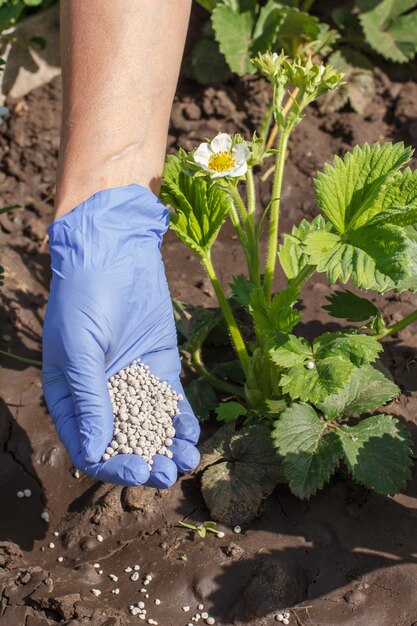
(21,358)
(250,186)
(251,248)
(304,275)
(287,107)
(215,382)
(237,338)
(238,202)
(274,214)
(395,328)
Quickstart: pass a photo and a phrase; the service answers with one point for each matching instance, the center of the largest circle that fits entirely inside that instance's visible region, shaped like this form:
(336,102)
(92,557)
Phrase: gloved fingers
(124,469)
(128,470)
(61,408)
(185,455)
(186,427)
(164,473)
(85,373)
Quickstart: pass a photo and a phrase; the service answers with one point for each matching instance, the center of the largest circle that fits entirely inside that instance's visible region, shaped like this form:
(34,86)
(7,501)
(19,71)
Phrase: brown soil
(347,557)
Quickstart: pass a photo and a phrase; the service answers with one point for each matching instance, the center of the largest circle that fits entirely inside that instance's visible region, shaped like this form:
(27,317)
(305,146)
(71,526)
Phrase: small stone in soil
(51,545)
(99,538)
(96,565)
(45,516)
(200,607)
(185,609)
(237,530)
(60,559)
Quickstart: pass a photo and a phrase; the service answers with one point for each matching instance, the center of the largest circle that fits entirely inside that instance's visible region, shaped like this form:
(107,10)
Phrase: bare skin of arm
(120,64)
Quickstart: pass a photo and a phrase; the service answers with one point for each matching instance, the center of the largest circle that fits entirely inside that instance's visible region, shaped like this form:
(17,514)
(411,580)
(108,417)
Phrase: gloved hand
(109,304)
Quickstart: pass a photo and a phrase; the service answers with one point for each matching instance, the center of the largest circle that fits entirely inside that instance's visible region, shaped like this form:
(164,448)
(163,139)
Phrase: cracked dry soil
(347,557)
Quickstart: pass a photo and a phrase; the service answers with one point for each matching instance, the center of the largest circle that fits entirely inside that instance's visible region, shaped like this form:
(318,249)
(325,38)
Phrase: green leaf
(377,452)
(235,481)
(209,5)
(230,411)
(311,451)
(233,32)
(295,29)
(203,321)
(208,64)
(271,18)
(278,315)
(367,390)
(202,532)
(291,350)
(328,376)
(200,207)
(347,191)
(348,306)
(202,398)
(358,348)
(314,373)
(291,253)
(398,201)
(241,33)
(374,257)
(390,27)
(242,290)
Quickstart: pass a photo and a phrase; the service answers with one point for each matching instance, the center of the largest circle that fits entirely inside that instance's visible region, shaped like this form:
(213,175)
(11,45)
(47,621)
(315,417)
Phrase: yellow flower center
(221,161)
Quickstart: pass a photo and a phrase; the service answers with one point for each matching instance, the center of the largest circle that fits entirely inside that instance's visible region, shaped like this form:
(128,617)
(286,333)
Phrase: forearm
(120,62)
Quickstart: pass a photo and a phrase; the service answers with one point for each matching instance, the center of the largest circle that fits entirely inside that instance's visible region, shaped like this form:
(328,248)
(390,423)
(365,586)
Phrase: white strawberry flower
(220,158)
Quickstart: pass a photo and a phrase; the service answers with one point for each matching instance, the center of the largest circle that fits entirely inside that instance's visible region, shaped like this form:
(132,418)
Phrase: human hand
(109,304)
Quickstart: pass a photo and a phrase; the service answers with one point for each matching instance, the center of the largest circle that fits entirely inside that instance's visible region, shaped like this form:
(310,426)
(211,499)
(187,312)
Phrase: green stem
(304,275)
(237,338)
(234,217)
(21,358)
(250,186)
(215,382)
(251,247)
(266,124)
(395,328)
(274,214)
(237,198)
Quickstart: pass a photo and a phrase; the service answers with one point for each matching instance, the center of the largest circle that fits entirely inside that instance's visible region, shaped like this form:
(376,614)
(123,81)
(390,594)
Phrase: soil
(346,557)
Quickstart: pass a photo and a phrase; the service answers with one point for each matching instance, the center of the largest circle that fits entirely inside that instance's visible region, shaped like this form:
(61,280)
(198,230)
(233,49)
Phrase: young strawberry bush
(297,411)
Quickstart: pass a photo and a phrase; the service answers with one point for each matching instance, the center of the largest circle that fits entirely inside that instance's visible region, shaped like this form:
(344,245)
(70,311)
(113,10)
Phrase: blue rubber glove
(109,304)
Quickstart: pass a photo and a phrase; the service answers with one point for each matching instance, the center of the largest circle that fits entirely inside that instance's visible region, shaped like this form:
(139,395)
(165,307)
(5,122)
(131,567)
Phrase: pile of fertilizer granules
(143,408)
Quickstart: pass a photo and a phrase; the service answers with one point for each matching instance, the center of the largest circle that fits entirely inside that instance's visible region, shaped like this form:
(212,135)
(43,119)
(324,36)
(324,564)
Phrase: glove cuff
(107,222)
(131,209)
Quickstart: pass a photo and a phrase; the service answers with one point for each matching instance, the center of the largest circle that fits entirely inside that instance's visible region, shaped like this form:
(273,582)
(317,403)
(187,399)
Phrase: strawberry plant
(294,406)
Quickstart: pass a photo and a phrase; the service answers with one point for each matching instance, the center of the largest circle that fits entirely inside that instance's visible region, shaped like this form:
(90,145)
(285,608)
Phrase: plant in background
(297,406)
(244,28)
(240,29)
